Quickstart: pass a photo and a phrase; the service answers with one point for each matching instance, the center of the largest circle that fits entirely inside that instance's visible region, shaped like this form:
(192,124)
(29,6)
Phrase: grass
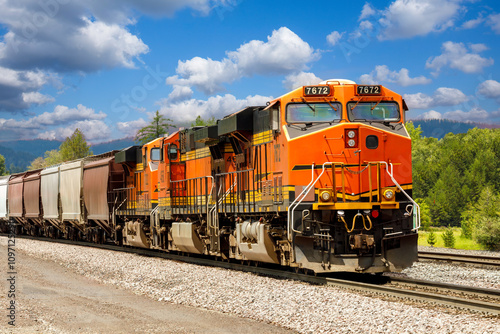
(460,242)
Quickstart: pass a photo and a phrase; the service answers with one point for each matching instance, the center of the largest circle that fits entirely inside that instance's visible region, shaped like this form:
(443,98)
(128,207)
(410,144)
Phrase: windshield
(313,112)
(373,111)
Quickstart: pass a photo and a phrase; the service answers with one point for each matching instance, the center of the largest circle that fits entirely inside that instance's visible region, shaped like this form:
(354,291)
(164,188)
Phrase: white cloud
(131,128)
(443,96)
(206,75)
(334,37)
(37,98)
(476,114)
(293,81)
(367,11)
(216,106)
(489,88)
(73,36)
(59,124)
(283,53)
(180,93)
(63,114)
(383,74)
(18,88)
(93,130)
(410,18)
(431,114)
(471,24)
(456,55)
(494,22)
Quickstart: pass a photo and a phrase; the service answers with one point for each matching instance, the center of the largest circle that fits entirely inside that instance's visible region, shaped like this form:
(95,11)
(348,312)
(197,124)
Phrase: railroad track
(449,295)
(478,261)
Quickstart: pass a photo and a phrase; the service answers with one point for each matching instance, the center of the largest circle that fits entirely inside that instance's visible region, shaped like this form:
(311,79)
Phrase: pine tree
(157,128)
(448,238)
(431,239)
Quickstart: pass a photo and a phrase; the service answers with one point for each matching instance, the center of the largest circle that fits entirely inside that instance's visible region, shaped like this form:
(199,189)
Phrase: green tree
(3,169)
(448,238)
(157,128)
(75,147)
(53,157)
(485,221)
(425,214)
(431,239)
(202,122)
(38,163)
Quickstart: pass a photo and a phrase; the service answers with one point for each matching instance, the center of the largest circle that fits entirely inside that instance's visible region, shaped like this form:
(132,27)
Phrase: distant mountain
(19,154)
(438,128)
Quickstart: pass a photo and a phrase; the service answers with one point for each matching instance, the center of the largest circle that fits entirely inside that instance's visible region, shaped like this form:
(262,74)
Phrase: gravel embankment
(453,273)
(303,307)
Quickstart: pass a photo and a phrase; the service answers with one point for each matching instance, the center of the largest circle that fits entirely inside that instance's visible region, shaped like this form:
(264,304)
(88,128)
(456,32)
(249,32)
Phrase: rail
(474,260)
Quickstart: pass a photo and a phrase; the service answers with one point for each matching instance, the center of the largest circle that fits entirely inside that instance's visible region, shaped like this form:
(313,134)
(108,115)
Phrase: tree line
(456,180)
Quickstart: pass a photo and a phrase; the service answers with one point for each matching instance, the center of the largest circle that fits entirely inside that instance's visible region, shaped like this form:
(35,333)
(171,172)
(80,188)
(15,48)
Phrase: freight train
(319,179)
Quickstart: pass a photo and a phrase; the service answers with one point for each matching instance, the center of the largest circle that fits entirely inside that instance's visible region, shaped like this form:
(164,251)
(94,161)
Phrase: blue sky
(107,66)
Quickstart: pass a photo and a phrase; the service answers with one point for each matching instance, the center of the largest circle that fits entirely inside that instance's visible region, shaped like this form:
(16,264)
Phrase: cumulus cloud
(180,93)
(283,53)
(410,18)
(489,88)
(457,56)
(476,114)
(443,96)
(471,24)
(216,106)
(19,88)
(293,81)
(59,124)
(383,74)
(93,130)
(431,114)
(367,11)
(131,128)
(37,98)
(334,37)
(63,114)
(72,36)
(494,22)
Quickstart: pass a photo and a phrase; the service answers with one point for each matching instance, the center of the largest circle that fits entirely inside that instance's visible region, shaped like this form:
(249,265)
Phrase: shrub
(448,238)
(487,232)
(431,239)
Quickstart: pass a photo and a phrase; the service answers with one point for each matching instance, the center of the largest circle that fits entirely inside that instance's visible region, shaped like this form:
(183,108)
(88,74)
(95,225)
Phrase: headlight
(351,142)
(351,134)
(326,196)
(388,194)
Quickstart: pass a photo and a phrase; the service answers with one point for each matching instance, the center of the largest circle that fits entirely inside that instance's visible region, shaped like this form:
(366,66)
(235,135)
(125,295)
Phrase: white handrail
(416,213)
(301,197)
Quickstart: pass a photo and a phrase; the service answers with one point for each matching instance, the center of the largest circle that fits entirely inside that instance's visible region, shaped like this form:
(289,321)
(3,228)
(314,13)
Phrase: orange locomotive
(319,179)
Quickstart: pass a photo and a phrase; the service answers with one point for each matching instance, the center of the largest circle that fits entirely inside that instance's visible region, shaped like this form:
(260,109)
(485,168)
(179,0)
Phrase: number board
(369,90)
(316,90)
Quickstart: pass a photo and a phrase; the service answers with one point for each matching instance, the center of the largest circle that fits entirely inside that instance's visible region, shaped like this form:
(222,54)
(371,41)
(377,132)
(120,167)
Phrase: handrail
(416,214)
(301,197)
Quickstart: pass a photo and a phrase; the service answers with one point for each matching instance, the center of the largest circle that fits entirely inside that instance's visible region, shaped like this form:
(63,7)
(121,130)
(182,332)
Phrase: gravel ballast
(290,304)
